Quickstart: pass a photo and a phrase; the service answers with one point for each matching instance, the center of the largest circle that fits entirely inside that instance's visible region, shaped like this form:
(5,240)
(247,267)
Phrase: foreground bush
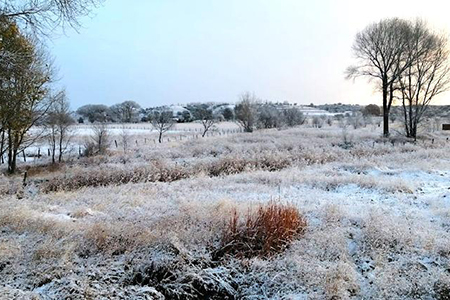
(268,230)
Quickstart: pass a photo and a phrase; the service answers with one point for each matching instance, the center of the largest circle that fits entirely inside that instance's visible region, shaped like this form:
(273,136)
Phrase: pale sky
(158,52)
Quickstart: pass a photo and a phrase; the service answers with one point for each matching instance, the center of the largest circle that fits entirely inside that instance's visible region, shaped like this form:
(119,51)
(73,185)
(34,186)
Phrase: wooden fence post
(25,178)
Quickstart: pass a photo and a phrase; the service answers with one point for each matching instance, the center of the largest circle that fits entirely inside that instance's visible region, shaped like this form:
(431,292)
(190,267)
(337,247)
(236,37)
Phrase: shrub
(268,230)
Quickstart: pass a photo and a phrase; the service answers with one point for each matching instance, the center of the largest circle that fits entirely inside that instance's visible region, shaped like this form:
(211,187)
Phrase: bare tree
(381,53)
(355,119)
(206,117)
(58,123)
(125,139)
(162,121)
(246,111)
(98,142)
(126,112)
(426,77)
(42,16)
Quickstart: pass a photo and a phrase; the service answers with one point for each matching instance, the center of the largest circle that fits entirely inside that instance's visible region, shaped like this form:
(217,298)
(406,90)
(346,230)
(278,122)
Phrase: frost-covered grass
(149,222)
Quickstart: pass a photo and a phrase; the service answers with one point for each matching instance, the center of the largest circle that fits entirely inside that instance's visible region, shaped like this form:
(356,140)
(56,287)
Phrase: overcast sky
(158,52)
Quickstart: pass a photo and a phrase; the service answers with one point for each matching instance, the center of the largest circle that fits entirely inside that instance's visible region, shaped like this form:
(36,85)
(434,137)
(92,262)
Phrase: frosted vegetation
(369,219)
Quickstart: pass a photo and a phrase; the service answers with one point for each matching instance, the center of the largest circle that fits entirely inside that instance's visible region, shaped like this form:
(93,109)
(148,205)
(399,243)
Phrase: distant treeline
(132,112)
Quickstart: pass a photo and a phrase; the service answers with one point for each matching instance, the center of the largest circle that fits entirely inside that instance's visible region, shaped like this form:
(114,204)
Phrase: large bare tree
(381,53)
(426,77)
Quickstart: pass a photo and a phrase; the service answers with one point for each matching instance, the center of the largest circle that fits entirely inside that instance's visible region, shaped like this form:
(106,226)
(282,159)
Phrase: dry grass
(377,221)
(268,230)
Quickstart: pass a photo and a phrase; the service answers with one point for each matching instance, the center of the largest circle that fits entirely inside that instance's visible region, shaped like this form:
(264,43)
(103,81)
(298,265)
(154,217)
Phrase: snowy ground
(140,133)
(378,221)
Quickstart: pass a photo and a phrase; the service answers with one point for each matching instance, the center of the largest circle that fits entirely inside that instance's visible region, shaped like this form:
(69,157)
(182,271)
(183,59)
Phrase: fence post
(25,178)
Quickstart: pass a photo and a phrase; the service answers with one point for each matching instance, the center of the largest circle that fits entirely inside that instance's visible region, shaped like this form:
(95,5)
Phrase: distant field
(139,133)
(148,223)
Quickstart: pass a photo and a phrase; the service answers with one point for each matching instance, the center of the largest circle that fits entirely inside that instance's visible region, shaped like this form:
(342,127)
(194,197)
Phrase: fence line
(23,155)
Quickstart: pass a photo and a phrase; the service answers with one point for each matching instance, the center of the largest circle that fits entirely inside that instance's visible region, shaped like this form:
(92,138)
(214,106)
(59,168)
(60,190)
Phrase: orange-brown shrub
(268,230)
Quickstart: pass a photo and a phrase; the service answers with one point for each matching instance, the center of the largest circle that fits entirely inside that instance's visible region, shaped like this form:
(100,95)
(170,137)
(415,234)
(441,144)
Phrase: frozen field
(145,224)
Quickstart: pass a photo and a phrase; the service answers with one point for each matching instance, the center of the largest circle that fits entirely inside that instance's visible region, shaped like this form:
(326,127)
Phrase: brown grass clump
(268,230)
(114,176)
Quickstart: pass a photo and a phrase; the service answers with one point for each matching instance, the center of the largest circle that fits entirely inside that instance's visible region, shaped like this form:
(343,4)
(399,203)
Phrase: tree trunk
(385,111)
(11,158)
(160,137)
(53,153)
(2,145)
(412,132)
(61,137)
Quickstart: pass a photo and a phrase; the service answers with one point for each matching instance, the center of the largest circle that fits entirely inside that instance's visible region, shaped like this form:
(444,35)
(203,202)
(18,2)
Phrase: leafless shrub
(317,122)
(98,142)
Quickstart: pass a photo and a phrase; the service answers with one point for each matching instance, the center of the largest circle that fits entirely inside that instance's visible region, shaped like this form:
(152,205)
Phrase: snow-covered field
(378,215)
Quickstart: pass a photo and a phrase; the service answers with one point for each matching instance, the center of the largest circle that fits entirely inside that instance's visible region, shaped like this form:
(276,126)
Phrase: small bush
(268,230)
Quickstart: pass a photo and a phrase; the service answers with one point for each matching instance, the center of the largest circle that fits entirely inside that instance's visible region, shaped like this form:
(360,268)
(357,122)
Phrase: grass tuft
(266,231)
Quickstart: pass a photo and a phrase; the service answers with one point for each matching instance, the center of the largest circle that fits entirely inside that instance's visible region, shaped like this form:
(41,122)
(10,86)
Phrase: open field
(149,223)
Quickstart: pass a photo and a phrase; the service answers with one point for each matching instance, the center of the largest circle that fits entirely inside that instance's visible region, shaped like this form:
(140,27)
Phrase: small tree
(246,112)
(100,138)
(58,123)
(228,114)
(206,117)
(124,139)
(162,121)
(317,122)
(186,116)
(355,119)
(268,116)
(293,117)
(371,110)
